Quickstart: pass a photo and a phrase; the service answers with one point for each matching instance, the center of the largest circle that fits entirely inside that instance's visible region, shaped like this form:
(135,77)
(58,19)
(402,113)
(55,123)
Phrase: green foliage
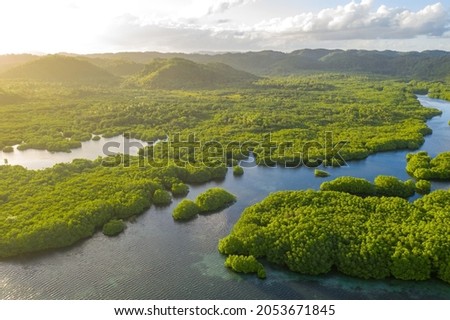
(58,68)
(321,173)
(183,74)
(393,187)
(179,189)
(422,166)
(8,149)
(57,207)
(386,186)
(297,109)
(113,228)
(373,237)
(245,264)
(214,199)
(238,170)
(356,186)
(423,187)
(185,210)
(96,138)
(162,198)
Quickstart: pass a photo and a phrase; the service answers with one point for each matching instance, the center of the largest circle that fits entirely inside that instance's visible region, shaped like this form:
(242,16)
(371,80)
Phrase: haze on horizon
(86,26)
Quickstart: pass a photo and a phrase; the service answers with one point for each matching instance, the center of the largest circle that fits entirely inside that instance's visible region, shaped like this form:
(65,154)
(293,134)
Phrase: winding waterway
(157,258)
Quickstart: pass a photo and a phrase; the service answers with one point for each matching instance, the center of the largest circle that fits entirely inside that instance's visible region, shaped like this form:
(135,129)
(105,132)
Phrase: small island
(321,173)
(113,228)
(210,201)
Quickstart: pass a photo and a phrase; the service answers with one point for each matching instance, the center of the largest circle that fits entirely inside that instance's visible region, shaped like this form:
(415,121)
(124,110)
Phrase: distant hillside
(58,68)
(430,65)
(118,67)
(177,73)
(426,65)
(13,60)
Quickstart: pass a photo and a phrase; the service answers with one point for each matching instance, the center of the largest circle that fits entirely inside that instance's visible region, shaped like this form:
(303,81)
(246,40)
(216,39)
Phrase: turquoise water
(157,258)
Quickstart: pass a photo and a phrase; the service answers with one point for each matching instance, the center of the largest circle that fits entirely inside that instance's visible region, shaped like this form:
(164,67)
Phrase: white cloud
(358,20)
(223,5)
(353,22)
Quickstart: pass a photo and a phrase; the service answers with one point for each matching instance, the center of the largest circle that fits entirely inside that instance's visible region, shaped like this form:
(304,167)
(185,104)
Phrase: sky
(93,26)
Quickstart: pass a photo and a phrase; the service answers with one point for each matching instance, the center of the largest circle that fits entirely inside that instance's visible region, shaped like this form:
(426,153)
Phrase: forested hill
(59,68)
(430,65)
(177,73)
(426,65)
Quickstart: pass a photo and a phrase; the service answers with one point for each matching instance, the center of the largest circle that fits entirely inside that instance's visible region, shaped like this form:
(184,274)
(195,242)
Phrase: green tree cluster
(113,227)
(214,199)
(423,187)
(59,117)
(162,198)
(321,173)
(315,232)
(245,264)
(238,170)
(421,166)
(186,210)
(58,206)
(179,189)
(387,186)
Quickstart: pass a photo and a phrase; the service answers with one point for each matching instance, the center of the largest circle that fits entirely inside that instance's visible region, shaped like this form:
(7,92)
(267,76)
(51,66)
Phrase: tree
(185,210)
(113,227)
(356,186)
(162,198)
(180,189)
(214,199)
(423,187)
(238,170)
(245,264)
(390,186)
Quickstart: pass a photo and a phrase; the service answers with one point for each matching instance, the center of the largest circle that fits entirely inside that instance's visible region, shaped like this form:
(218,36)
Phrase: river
(157,258)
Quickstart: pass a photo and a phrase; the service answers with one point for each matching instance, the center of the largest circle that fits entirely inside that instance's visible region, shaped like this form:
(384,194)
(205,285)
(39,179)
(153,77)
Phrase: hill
(13,60)
(117,67)
(426,65)
(177,73)
(58,68)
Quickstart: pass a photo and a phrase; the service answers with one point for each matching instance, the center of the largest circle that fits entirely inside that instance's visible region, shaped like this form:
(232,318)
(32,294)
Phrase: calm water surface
(156,258)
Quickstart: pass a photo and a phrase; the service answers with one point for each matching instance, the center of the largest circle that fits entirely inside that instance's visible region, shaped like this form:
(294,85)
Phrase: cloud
(359,21)
(224,5)
(355,21)
(131,34)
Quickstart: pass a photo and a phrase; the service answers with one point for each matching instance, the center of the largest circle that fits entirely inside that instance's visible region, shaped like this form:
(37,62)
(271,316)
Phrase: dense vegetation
(313,232)
(431,65)
(238,171)
(422,166)
(283,120)
(58,206)
(113,227)
(55,103)
(245,264)
(162,198)
(185,210)
(383,186)
(214,199)
(179,189)
(57,68)
(423,187)
(321,173)
(182,74)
